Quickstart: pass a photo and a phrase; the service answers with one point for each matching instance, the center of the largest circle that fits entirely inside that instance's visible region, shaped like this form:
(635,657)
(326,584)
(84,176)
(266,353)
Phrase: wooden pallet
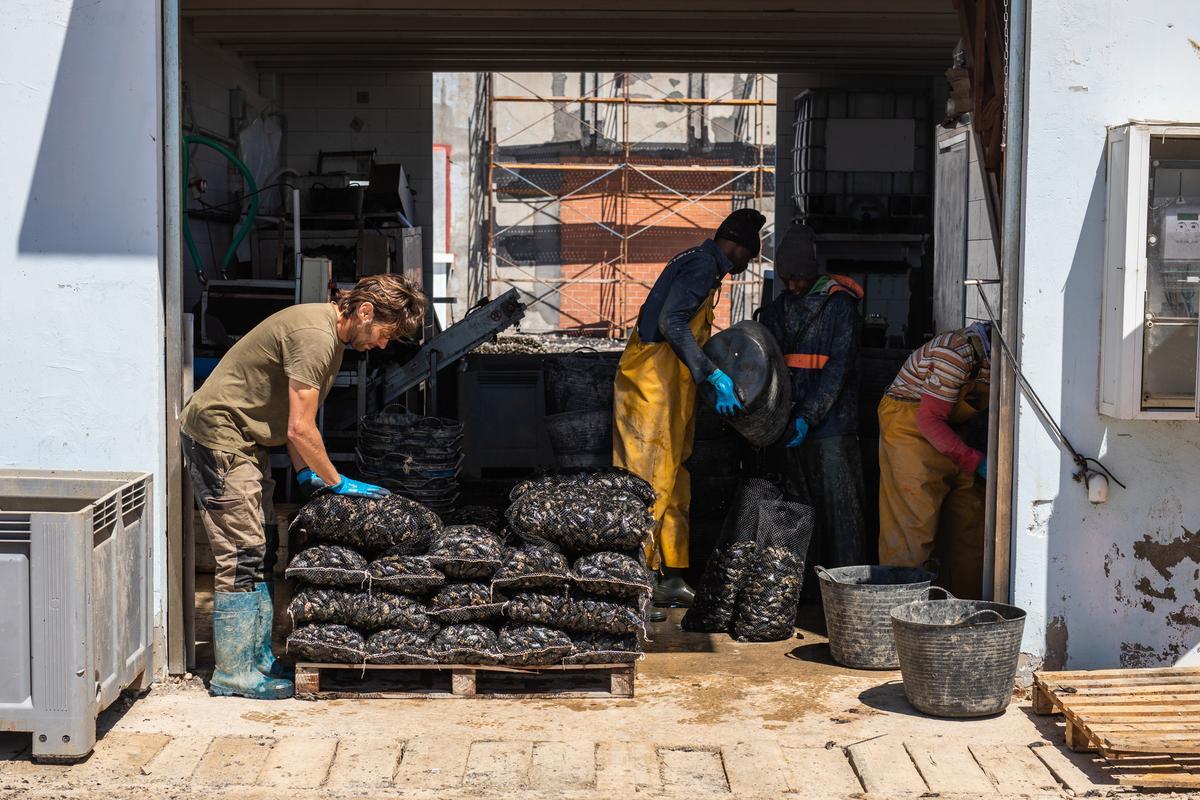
(390,681)
(1144,722)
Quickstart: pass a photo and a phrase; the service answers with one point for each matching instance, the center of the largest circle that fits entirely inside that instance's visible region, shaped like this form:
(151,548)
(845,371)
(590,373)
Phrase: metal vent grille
(104,515)
(516,378)
(133,498)
(15,525)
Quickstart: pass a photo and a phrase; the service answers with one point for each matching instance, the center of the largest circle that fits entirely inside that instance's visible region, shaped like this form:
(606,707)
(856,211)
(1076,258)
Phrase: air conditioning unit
(76,601)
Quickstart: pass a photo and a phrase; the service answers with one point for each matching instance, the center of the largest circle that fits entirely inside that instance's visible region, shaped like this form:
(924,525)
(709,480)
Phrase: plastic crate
(76,593)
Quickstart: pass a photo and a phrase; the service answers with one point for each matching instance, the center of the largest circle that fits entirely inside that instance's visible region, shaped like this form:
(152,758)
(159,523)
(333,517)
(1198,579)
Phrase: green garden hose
(251,213)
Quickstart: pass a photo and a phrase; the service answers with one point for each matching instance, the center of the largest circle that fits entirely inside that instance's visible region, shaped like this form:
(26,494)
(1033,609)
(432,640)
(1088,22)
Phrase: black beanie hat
(795,257)
(742,227)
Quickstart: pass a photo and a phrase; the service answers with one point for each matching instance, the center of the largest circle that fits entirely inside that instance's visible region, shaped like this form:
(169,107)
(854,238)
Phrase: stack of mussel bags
(559,579)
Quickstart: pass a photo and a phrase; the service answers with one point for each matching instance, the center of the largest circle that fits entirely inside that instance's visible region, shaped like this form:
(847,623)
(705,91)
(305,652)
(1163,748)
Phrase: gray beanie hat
(795,256)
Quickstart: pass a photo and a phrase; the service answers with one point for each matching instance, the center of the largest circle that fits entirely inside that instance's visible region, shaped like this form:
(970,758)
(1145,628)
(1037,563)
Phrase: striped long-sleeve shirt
(940,368)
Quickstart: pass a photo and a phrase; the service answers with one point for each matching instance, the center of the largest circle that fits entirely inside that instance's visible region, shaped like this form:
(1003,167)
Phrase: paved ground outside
(712,717)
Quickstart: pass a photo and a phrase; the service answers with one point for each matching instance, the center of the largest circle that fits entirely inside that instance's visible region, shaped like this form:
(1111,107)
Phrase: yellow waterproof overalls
(927,507)
(654,422)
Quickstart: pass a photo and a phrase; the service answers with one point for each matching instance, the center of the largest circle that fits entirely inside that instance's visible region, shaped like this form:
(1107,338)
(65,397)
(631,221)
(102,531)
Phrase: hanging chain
(1004,129)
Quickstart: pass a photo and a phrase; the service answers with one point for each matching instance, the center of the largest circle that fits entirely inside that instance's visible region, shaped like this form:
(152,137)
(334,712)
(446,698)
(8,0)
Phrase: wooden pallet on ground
(1144,722)
(390,681)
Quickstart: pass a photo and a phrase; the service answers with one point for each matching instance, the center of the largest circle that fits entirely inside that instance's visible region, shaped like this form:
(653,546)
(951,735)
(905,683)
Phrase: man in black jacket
(654,395)
(818,326)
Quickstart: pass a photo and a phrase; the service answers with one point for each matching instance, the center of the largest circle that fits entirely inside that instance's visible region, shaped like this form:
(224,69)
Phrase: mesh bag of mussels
(577,612)
(397,646)
(466,551)
(603,648)
(404,574)
(609,574)
(328,565)
(327,644)
(531,565)
(533,645)
(605,479)
(365,610)
(580,520)
(467,643)
(466,602)
(368,524)
(770,596)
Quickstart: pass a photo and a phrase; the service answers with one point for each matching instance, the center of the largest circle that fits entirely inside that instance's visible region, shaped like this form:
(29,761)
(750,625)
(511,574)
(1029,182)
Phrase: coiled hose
(244,229)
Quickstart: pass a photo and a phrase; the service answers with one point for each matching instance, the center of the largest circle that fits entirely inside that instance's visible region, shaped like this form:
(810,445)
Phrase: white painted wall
(1091,575)
(81,372)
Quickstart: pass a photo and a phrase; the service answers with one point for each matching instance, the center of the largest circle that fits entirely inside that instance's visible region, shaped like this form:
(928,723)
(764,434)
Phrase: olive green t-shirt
(244,403)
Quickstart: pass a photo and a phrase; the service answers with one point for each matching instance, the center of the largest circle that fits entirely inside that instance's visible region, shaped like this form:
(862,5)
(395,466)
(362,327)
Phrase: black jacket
(676,297)
(822,352)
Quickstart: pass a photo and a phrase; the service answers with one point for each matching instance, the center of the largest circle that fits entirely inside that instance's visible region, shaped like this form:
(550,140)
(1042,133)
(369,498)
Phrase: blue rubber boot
(235,642)
(264,658)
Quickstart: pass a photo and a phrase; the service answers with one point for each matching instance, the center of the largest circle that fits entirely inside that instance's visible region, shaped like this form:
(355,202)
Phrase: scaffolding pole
(543,184)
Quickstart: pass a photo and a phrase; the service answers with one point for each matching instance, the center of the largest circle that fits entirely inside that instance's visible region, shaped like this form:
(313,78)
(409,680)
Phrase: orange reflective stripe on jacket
(806,360)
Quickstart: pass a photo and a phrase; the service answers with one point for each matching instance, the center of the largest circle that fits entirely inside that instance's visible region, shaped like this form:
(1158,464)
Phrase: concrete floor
(711,717)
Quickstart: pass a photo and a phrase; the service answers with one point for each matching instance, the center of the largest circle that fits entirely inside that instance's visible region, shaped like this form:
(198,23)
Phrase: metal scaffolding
(610,169)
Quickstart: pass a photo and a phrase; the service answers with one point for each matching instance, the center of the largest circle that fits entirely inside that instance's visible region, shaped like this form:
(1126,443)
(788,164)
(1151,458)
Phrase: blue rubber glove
(727,401)
(801,426)
(309,480)
(982,469)
(352,488)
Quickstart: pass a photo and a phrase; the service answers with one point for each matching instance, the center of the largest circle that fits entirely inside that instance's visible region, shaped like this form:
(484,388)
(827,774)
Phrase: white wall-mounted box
(1149,346)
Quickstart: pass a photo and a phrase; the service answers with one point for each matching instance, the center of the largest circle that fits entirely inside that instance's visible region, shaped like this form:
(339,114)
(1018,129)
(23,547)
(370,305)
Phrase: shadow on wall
(1121,576)
(86,156)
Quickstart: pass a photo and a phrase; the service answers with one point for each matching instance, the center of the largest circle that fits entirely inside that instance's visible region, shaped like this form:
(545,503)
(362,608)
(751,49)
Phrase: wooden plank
(1076,738)
(299,762)
(308,680)
(622,681)
(178,759)
(233,760)
(1060,687)
(1181,780)
(364,762)
(884,767)
(626,768)
(559,766)
(1079,773)
(1043,701)
(821,771)
(433,762)
(948,767)
(499,764)
(692,771)
(1014,769)
(1141,704)
(1074,676)
(755,768)
(1150,727)
(462,683)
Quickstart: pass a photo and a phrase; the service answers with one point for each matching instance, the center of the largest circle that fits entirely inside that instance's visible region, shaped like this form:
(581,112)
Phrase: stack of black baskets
(414,456)
(579,408)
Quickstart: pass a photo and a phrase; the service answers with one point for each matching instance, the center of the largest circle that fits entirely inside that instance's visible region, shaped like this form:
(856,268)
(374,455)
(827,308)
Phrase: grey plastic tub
(76,601)
(958,658)
(858,602)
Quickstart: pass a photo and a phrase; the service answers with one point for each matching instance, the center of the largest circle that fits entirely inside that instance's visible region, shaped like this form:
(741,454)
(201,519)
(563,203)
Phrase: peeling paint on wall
(1166,556)
(1056,643)
(1144,586)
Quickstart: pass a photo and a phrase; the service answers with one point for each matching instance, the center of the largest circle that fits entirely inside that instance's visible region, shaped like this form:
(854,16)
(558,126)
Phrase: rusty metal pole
(491,178)
(621,293)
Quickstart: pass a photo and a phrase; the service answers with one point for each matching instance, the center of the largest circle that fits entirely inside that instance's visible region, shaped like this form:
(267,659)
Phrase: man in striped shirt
(932,463)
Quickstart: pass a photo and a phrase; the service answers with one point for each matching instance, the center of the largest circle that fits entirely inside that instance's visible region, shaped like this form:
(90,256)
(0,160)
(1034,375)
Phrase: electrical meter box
(1149,347)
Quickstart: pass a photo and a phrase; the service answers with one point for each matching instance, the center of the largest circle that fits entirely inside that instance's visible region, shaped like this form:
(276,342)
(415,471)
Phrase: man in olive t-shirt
(266,392)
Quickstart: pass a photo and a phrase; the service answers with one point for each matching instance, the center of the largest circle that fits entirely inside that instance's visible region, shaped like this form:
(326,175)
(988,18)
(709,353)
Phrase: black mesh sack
(770,594)
(395,646)
(468,643)
(533,645)
(404,574)
(531,566)
(609,574)
(603,479)
(366,610)
(370,525)
(328,565)
(580,521)
(466,552)
(603,648)
(466,602)
(538,608)
(730,563)
(483,516)
(327,644)
(603,615)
